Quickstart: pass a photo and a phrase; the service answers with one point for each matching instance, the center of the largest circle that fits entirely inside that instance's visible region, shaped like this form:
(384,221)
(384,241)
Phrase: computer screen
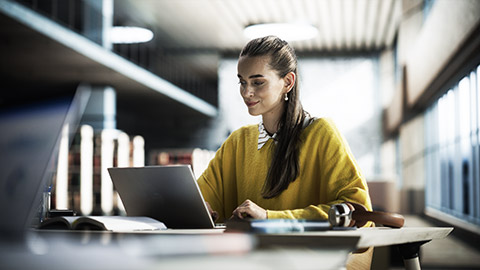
(29,141)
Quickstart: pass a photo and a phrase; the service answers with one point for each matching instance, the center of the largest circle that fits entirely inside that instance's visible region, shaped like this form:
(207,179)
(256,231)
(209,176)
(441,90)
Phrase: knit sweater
(328,174)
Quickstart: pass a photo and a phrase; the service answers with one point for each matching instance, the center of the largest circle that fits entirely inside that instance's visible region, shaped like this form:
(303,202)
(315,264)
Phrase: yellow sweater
(328,175)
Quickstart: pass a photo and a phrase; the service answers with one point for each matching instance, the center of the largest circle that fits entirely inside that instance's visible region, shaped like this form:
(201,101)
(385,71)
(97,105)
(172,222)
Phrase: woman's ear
(289,81)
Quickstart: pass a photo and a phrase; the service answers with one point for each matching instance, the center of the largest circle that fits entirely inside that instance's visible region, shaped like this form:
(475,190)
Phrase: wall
(432,49)
(412,184)
(443,33)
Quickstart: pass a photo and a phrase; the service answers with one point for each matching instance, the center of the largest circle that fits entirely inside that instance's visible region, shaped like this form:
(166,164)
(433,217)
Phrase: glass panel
(450,130)
(437,188)
(432,158)
(450,116)
(463,195)
(464,106)
(442,146)
(452,151)
(474,145)
(428,131)
(476,184)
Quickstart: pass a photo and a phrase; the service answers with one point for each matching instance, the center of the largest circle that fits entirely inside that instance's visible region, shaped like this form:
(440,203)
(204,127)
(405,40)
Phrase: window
(452,155)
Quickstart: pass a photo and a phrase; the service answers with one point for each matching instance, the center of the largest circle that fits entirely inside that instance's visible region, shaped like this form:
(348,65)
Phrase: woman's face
(260,86)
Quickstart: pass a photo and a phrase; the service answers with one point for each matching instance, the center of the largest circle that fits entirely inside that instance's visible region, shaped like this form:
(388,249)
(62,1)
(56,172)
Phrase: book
(276,225)
(102,223)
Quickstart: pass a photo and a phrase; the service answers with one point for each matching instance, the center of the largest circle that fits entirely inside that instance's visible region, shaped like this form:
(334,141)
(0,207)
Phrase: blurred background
(400,78)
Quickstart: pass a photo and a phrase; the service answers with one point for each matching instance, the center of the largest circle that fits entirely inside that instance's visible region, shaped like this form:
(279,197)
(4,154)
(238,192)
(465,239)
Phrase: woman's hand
(249,209)
(214,214)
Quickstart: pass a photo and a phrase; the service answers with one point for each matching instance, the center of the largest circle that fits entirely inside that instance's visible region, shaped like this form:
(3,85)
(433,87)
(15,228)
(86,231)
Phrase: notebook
(169,194)
(28,150)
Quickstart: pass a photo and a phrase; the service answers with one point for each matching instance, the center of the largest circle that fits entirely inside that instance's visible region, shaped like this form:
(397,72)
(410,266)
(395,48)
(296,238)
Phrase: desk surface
(202,249)
(172,249)
(375,237)
(368,237)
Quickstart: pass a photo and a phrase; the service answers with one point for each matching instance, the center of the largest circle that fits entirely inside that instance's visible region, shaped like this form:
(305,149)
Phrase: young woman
(290,165)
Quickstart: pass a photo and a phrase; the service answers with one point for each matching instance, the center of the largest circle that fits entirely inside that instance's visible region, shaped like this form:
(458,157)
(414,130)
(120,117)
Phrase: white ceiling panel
(344,25)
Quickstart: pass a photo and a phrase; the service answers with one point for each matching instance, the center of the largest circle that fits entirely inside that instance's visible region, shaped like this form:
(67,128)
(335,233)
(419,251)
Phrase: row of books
(196,157)
(82,182)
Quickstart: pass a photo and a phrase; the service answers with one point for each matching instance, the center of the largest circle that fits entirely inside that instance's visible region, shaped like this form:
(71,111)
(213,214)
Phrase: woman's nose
(247,92)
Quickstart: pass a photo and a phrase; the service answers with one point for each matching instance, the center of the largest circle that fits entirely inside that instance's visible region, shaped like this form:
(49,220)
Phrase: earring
(286,97)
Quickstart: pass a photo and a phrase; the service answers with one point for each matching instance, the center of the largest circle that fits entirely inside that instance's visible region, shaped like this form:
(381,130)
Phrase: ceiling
(217,25)
(43,60)
(199,32)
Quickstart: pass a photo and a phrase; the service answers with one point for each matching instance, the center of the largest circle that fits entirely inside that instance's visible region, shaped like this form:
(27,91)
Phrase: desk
(171,249)
(408,239)
(369,237)
(200,249)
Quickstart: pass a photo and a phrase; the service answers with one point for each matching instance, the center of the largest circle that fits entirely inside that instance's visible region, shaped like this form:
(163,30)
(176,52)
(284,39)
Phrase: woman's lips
(251,103)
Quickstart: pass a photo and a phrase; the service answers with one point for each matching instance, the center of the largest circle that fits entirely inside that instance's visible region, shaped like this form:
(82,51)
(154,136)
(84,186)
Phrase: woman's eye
(258,83)
(241,82)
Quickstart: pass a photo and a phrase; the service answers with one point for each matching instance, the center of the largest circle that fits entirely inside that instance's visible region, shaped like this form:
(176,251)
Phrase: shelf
(40,51)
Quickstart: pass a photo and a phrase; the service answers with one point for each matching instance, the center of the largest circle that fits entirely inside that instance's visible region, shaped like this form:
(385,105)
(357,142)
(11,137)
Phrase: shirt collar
(263,135)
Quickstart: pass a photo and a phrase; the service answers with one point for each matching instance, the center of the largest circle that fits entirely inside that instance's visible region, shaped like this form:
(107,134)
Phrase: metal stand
(409,253)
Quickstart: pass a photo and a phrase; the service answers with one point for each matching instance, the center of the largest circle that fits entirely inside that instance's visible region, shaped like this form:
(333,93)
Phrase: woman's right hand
(214,214)
(249,209)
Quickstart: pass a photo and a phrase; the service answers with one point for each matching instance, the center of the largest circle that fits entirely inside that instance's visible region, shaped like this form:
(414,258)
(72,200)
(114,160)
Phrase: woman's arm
(249,209)
(217,183)
(320,211)
(210,185)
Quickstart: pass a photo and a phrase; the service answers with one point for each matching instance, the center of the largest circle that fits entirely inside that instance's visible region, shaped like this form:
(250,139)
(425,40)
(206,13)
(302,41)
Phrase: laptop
(169,194)
(28,151)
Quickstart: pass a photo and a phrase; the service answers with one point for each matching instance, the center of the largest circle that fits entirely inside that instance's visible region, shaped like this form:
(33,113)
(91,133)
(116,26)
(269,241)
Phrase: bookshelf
(82,183)
(195,157)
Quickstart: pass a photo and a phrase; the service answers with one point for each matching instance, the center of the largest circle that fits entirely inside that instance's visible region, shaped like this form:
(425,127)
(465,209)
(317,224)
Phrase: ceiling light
(286,31)
(130,34)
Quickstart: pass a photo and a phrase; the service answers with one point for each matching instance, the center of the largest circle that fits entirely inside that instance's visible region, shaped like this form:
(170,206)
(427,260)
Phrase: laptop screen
(29,141)
(169,194)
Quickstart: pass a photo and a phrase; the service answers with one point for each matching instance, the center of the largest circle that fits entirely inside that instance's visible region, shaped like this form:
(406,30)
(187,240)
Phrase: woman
(288,166)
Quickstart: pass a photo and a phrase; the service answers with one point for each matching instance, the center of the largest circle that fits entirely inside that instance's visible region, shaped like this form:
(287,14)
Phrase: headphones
(349,214)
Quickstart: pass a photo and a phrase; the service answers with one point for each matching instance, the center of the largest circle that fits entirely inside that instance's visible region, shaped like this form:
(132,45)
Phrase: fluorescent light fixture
(130,34)
(286,31)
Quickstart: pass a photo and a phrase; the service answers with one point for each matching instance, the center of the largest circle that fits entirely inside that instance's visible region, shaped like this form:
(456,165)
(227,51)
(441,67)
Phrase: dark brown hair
(284,168)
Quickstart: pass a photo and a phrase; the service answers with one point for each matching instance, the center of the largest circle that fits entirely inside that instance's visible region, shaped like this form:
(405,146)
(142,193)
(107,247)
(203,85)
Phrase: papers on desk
(103,223)
(276,225)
